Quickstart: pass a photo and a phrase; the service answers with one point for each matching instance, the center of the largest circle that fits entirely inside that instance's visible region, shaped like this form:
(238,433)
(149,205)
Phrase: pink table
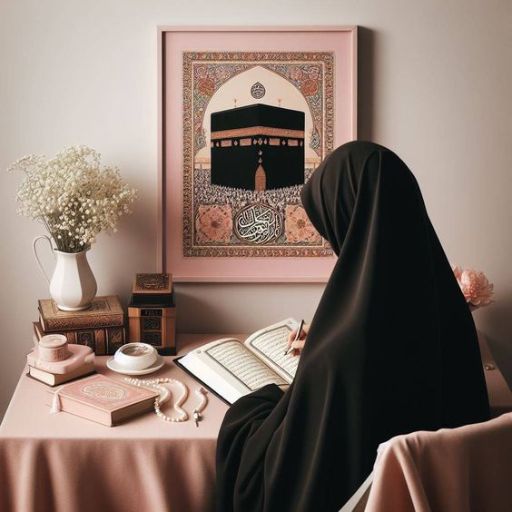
(61,462)
(65,463)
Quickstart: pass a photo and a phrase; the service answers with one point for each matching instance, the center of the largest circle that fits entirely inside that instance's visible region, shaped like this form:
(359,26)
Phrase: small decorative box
(152,312)
(154,289)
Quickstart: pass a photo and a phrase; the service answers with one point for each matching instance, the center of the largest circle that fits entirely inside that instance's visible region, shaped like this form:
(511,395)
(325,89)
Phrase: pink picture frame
(177,47)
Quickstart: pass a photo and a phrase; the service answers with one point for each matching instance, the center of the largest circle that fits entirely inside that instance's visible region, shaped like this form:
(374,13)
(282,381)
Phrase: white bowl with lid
(135,356)
(136,359)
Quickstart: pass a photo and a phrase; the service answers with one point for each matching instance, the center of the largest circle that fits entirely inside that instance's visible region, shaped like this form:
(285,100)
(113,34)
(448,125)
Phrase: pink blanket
(451,470)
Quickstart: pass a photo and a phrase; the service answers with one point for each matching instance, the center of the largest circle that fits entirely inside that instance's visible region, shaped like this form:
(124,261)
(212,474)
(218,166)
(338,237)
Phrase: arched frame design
(312,101)
(196,236)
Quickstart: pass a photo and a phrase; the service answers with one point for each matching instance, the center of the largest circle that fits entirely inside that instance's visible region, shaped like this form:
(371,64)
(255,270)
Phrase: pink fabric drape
(451,470)
(128,475)
(64,463)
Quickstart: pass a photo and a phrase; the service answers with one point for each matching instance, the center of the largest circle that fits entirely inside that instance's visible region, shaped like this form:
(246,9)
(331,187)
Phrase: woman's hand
(299,344)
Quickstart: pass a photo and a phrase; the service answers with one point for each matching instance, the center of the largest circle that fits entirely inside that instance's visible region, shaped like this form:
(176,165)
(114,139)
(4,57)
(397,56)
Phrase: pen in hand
(297,336)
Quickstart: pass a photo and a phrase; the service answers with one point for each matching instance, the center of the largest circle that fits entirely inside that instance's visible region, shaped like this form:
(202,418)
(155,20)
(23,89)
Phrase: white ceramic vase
(72,286)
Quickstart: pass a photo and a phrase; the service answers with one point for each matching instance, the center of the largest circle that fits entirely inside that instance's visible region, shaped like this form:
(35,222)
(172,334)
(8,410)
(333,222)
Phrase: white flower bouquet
(73,195)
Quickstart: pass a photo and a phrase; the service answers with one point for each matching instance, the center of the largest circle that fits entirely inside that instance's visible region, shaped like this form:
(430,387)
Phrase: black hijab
(392,348)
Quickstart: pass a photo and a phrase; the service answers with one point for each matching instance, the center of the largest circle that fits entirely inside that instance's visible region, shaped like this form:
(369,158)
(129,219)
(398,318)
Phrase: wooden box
(155,325)
(152,290)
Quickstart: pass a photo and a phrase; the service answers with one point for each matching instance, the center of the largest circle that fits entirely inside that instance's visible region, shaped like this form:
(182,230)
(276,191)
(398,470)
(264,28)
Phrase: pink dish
(79,354)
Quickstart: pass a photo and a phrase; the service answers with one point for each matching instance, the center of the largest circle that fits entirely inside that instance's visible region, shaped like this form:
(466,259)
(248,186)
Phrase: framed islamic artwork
(246,115)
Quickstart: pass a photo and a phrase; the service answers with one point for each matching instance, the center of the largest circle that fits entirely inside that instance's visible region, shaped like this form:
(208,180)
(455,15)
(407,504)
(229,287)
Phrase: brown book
(102,341)
(104,400)
(115,338)
(104,312)
(55,379)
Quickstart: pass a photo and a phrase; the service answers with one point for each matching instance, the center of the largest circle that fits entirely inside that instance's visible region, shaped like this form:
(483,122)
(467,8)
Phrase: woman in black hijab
(391,349)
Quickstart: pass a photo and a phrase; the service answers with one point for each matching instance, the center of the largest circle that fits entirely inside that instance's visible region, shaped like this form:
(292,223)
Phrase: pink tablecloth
(61,462)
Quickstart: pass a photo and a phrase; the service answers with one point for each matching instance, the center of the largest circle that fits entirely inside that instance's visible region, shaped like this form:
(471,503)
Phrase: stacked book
(56,379)
(101,327)
(53,361)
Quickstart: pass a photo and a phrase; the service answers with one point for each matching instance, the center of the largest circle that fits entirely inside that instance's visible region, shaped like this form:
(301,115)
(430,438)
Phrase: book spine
(102,341)
(41,321)
(115,338)
(71,336)
(37,331)
(84,322)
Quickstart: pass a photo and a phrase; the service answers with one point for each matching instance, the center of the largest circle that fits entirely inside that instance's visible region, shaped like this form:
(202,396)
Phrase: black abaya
(392,348)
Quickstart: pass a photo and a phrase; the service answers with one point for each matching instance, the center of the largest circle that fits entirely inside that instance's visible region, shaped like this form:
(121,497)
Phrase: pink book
(105,400)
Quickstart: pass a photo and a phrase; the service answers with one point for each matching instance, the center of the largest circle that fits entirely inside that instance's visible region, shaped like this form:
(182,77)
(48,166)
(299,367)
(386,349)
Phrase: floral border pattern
(203,74)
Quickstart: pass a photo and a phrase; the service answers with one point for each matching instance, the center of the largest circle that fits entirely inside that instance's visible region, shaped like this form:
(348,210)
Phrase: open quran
(232,368)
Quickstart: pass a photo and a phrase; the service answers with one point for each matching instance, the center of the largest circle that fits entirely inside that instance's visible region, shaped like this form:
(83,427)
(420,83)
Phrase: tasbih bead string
(203,402)
(165,394)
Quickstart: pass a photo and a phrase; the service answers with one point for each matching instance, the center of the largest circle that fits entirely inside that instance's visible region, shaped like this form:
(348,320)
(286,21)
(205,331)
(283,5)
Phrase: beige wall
(435,82)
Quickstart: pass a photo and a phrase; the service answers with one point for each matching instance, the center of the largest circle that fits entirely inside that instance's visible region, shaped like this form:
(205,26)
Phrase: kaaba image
(257,147)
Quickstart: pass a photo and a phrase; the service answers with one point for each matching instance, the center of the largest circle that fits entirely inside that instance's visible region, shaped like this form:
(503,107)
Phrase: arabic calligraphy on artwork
(258,224)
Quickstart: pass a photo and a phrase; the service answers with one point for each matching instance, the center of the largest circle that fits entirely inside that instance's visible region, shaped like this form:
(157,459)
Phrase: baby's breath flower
(73,195)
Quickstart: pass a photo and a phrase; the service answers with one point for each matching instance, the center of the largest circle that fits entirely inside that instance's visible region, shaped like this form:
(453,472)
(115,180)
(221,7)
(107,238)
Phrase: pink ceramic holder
(77,355)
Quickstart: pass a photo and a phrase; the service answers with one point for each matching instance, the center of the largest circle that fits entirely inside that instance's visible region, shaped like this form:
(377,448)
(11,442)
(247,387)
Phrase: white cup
(135,356)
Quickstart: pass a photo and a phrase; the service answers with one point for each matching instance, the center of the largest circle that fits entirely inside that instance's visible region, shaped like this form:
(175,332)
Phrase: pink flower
(309,87)
(214,223)
(206,86)
(475,286)
(457,272)
(298,227)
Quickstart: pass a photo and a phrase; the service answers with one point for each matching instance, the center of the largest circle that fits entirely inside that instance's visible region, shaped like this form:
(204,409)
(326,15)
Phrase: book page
(229,369)
(270,345)
(240,363)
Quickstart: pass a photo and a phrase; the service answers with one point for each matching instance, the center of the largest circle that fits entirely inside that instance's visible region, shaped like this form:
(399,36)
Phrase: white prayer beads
(165,394)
